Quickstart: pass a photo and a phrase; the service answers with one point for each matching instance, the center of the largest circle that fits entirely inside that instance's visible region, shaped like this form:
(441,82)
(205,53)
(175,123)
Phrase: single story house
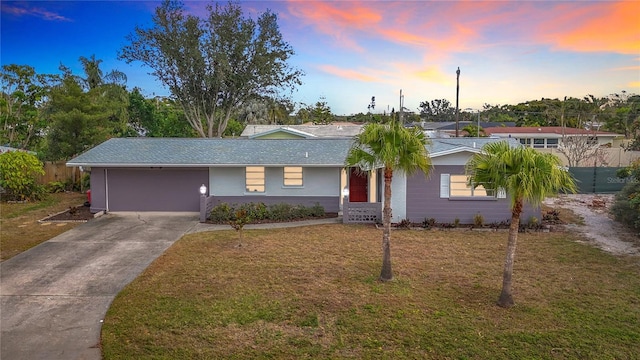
(545,137)
(165,174)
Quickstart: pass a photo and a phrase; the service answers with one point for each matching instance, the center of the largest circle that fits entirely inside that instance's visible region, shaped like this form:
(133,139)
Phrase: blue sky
(508,52)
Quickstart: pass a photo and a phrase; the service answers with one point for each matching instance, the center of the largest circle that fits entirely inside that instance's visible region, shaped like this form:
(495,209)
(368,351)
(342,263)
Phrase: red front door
(358,185)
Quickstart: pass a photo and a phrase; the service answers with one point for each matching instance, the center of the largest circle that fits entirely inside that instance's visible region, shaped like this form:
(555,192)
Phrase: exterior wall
(279,135)
(331,204)
(98,190)
(317,181)
(610,157)
(398,197)
(459,158)
(424,202)
(147,189)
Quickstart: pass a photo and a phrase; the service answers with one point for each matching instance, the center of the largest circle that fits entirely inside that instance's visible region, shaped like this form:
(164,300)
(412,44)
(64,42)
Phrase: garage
(147,189)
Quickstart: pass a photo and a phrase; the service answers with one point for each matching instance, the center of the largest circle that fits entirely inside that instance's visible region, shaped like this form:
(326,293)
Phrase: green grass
(313,293)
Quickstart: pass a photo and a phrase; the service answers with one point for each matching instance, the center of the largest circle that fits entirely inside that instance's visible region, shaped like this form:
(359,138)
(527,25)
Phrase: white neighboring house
(550,137)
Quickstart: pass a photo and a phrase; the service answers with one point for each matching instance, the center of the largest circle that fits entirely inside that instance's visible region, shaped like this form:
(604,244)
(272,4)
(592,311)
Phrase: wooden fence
(58,171)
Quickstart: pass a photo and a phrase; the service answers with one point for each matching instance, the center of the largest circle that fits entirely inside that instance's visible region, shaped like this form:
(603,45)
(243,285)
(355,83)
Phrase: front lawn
(312,292)
(19,226)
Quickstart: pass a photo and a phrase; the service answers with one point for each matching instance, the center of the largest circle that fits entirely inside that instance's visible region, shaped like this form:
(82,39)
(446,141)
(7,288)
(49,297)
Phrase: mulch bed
(76,213)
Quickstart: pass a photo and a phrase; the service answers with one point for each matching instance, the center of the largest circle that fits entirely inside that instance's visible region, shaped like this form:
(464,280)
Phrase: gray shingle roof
(220,152)
(446,146)
(173,152)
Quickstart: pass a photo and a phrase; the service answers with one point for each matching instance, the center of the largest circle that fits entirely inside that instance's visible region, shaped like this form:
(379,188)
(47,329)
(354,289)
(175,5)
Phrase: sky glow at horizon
(508,52)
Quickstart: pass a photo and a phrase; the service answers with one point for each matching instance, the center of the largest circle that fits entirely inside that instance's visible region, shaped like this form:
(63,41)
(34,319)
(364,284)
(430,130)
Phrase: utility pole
(457,96)
(401,106)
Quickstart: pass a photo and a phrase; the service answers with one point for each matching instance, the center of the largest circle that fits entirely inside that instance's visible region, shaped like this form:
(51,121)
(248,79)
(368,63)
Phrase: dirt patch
(598,226)
(74,213)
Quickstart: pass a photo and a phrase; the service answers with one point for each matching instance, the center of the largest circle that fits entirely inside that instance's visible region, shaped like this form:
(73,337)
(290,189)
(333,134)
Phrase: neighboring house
(450,126)
(545,137)
(335,130)
(165,174)
(4,149)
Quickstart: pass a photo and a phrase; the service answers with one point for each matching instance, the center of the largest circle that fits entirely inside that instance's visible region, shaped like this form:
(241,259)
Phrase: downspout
(106,190)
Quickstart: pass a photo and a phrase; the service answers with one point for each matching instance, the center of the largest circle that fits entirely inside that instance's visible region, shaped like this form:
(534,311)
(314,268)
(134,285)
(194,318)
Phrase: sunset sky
(507,52)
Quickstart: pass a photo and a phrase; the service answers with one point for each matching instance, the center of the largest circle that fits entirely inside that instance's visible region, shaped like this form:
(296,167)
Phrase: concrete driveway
(54,297)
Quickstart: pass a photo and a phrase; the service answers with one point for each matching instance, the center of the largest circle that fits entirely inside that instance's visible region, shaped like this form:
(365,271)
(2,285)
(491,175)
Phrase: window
(254,178)
(452,186)
(526,142)
(552,143)
(292,176)
(458,187)
(538,143)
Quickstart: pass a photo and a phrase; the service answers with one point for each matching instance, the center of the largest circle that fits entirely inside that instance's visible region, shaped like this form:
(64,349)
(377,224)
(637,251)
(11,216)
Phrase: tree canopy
(213,65)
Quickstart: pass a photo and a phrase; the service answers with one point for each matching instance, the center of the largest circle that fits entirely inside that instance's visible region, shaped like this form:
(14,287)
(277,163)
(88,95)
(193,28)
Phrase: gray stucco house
(165,174)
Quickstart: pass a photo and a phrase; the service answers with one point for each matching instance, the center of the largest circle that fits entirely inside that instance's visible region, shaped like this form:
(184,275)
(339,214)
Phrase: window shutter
(444,186)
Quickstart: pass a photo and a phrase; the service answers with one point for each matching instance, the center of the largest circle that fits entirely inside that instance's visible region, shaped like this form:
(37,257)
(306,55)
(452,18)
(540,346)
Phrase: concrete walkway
(54,296)
(202,227)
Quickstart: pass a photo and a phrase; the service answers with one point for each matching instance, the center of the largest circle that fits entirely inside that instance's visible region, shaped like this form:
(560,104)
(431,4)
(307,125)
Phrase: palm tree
(395,148)
(92,71)
(527,176)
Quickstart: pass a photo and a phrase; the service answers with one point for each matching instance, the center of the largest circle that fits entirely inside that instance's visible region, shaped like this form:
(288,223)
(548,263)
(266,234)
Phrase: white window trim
(445,191)
(444,185)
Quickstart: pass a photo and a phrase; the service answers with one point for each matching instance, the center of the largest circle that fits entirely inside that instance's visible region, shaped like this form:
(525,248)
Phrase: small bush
(429,223)
(404,224)
(221,213)
(478,220)
(626,205)
(56,187)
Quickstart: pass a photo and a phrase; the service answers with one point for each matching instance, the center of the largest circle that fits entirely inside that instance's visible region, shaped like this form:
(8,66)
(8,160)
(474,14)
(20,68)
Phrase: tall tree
(212,66)
(527,176)
(437,110)
(396,149)
(321,112)
(157,117)
(23,91)
(92,71)
(80,119)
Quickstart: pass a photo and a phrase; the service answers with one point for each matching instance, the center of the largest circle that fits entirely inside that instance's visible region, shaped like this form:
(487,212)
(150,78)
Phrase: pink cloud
(590,27)
(37,12)
(348,73)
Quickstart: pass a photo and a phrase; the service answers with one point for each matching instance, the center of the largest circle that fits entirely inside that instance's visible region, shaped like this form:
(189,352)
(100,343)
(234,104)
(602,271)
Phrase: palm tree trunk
(506,298)
(386,274)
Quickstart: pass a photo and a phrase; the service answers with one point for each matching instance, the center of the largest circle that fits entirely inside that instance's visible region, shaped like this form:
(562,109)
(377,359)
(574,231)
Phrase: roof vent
(306,154)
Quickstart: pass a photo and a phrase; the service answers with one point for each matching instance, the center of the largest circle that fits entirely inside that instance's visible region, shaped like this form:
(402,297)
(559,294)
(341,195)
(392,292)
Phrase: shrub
(626,205)
(224,213)
(404,224)
(429,223)
(18,173)
(280,212)
(478,220)
(221,213)
(56,187)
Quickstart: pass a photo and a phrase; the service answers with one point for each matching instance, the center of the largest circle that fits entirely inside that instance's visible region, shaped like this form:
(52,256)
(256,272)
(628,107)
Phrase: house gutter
(131,165)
